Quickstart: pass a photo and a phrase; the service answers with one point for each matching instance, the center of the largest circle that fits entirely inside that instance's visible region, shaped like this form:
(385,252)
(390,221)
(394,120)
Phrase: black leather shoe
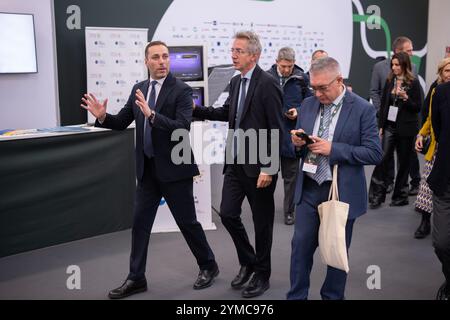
(443,292)
(413,191)
(206,278)
(399,203)
(242,277)
(289,219)
(256,287)
(423,230)
(128,288)
(390,188)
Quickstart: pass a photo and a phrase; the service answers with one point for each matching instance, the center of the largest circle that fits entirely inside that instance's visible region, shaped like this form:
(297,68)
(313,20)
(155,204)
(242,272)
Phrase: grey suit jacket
(379,75)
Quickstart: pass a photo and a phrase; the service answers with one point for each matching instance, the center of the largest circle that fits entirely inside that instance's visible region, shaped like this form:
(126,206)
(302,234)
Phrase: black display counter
(63,188)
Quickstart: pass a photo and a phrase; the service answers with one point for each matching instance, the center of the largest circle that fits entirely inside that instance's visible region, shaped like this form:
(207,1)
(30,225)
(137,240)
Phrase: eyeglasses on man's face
(237,51)
(323,88)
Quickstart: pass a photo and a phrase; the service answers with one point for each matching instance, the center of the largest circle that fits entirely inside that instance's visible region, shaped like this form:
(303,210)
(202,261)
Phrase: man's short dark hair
(155,43)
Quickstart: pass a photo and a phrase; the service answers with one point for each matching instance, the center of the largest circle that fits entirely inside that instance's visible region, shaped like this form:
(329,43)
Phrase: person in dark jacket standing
(439,182)
(399,123)
(295,85)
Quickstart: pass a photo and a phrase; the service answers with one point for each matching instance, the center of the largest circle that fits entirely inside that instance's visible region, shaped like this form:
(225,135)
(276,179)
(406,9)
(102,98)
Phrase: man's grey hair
(286,53)
(327,64)
(399,42)
(254,45)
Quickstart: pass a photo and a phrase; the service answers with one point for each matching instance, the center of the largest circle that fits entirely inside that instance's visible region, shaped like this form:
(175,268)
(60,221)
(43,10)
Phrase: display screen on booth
(17,43)
(186,62)
(198,96)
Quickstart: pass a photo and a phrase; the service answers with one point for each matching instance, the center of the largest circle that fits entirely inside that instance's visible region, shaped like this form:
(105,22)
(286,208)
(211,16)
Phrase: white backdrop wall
(438,36)
(30,100)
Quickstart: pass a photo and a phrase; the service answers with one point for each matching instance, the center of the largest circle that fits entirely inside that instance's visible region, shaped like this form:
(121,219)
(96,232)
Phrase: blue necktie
(322,161)
(148,144)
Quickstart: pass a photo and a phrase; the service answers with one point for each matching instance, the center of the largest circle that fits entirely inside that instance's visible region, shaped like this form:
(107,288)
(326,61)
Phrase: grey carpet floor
(383,238)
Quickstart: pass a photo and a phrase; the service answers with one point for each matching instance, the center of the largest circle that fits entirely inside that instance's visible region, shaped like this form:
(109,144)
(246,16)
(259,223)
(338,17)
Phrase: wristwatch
(152,115)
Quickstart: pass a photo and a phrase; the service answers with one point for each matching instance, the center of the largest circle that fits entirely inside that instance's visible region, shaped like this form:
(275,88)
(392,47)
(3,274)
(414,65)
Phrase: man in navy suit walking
(343,128)
(159,105)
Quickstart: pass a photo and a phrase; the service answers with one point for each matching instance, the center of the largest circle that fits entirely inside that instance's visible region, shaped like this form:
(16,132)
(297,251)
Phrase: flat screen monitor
(186,62)
(17,43)
(198,95)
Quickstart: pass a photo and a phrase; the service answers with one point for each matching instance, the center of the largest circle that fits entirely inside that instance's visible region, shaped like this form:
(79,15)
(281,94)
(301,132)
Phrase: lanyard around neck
(322,124)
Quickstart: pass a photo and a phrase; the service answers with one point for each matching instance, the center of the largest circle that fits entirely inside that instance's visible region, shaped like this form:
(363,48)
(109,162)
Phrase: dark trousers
(289,168)
(305,242)
(180,199)
(441,231)
(414,172)
(404,146)
(236,186)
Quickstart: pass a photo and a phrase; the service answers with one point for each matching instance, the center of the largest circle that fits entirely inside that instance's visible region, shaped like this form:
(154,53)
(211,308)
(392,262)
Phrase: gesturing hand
(142,103)
(97,109)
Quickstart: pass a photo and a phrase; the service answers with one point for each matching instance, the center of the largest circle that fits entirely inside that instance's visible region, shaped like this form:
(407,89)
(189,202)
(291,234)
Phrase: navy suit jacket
(173,111)
(355,143)
(440,118)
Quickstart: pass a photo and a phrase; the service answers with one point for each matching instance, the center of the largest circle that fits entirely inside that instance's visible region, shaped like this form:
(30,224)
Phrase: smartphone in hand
(304,137)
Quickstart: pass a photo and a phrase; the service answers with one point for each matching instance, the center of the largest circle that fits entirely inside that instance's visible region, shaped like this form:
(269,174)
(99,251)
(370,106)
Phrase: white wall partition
(31,100)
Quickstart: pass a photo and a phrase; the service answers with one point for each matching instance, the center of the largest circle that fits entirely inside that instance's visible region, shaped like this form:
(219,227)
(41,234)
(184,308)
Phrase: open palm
(91,104)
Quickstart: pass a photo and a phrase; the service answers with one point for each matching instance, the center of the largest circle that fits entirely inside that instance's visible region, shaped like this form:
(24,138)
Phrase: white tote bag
(333,218)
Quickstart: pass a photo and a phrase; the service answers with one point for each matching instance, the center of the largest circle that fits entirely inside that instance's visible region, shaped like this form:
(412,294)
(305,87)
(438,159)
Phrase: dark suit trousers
(236,186)
(306,240)
(179,198)
(441,230)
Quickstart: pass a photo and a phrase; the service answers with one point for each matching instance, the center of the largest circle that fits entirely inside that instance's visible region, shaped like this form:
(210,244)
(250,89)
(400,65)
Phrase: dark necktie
(148,144)
(241,104)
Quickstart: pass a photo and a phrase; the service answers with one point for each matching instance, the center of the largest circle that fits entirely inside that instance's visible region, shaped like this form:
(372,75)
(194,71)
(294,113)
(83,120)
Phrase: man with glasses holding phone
(344,131)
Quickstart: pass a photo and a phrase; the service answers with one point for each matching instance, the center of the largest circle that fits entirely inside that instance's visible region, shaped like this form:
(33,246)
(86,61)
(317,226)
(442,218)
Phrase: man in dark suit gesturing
(344,132)
(159,105)
(254,106)
(439,181)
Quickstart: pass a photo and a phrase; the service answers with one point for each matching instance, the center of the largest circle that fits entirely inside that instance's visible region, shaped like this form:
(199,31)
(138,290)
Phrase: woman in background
(399,123)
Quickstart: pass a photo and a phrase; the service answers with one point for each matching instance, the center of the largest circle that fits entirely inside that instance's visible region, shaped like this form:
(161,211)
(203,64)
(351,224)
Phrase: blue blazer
(173,111)
(355,143)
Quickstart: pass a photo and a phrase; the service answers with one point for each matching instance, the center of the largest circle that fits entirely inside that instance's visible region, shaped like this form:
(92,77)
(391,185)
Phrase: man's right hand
(298,142)
(97,109)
